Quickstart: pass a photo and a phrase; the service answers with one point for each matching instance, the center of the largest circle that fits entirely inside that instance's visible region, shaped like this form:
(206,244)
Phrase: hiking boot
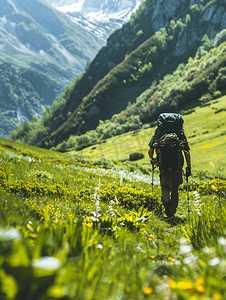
(168,209)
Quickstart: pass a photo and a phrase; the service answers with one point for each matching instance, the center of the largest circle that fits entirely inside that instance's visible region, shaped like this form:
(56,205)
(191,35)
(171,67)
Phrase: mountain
(100,18)
(40,38)
(24,94)
(36,36)
(159,39)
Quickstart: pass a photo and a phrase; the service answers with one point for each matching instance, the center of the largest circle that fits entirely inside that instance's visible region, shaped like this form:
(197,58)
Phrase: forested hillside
(161,38)
(24,94)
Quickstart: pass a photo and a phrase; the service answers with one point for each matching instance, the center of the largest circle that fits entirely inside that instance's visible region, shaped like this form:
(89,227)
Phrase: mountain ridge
(35,35)
(132,61)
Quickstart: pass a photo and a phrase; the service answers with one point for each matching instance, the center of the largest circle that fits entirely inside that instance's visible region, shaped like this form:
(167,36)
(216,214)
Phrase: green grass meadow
(205,128)
(80,226)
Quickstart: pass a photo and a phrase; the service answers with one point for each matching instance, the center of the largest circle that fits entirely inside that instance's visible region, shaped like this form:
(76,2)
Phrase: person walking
(171,146)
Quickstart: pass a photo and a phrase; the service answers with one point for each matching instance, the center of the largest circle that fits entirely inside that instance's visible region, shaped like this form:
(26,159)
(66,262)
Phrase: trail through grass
(77,227)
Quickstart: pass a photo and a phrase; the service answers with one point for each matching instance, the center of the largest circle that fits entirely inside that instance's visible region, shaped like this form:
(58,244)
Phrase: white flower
(185,248)
(215,261)
(47,263)
(222,241)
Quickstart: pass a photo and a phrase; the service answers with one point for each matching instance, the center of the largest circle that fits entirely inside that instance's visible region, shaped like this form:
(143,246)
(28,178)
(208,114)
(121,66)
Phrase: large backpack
(167,144)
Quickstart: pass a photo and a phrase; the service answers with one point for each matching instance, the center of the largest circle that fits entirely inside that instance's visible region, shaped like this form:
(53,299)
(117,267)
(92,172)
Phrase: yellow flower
(201,289)
(34,235)
(171,284)
(185,285)
(89,225)
(147,290)
(217,297)
(199,281)
(192,298)
(28,226)
(152,256)
(171,259)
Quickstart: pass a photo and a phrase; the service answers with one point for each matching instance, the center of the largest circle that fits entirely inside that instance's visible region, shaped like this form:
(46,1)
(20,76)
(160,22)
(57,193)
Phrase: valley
(72,220)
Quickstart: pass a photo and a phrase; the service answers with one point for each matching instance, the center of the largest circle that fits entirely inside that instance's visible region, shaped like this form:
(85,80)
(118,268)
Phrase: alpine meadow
(82,214)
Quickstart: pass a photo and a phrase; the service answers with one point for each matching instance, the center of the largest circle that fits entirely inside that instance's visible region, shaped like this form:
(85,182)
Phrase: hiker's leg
(176,181)
(165,187)
(165,181)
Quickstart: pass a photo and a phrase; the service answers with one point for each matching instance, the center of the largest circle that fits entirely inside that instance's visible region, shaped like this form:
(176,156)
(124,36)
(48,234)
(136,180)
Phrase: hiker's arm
(188,159)
(151,152)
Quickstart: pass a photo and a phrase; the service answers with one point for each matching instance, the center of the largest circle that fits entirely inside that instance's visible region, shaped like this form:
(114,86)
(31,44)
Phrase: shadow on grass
(176,220)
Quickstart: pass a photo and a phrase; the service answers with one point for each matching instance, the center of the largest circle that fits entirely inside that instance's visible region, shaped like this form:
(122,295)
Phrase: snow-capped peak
(106,9)
(100,17)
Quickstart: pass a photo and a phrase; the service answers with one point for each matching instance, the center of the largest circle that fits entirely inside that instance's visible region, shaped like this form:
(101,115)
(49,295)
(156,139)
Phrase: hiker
(169,142)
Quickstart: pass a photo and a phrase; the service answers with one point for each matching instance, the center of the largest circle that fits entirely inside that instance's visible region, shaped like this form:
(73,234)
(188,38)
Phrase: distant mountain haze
(57,39)
(34,35)
(24,94)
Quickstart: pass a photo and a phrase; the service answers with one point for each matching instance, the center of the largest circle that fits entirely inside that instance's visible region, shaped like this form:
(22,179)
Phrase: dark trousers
(169,185)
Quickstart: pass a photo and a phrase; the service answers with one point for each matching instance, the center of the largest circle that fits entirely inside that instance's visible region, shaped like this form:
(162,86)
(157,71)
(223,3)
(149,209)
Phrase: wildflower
(185,248)
(152,256)
(199,281)
(89,225)
(147,290)
(192,298)
(215,261)
(200,289)
(171,284)
(171,259)
(28,226)
(217,297)
(185,285)
(34,235)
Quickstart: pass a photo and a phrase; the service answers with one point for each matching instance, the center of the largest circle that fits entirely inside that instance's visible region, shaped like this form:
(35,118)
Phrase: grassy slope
(140,253)
(205,129)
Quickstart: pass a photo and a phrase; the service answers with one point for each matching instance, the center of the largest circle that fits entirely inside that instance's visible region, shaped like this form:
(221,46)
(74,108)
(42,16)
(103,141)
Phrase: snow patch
(6,23)
(3,20)
(120,9)
(75,7)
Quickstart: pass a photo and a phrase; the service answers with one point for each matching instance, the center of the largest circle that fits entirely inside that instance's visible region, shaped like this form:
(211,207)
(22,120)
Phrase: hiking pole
(186,177)
(152,180)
